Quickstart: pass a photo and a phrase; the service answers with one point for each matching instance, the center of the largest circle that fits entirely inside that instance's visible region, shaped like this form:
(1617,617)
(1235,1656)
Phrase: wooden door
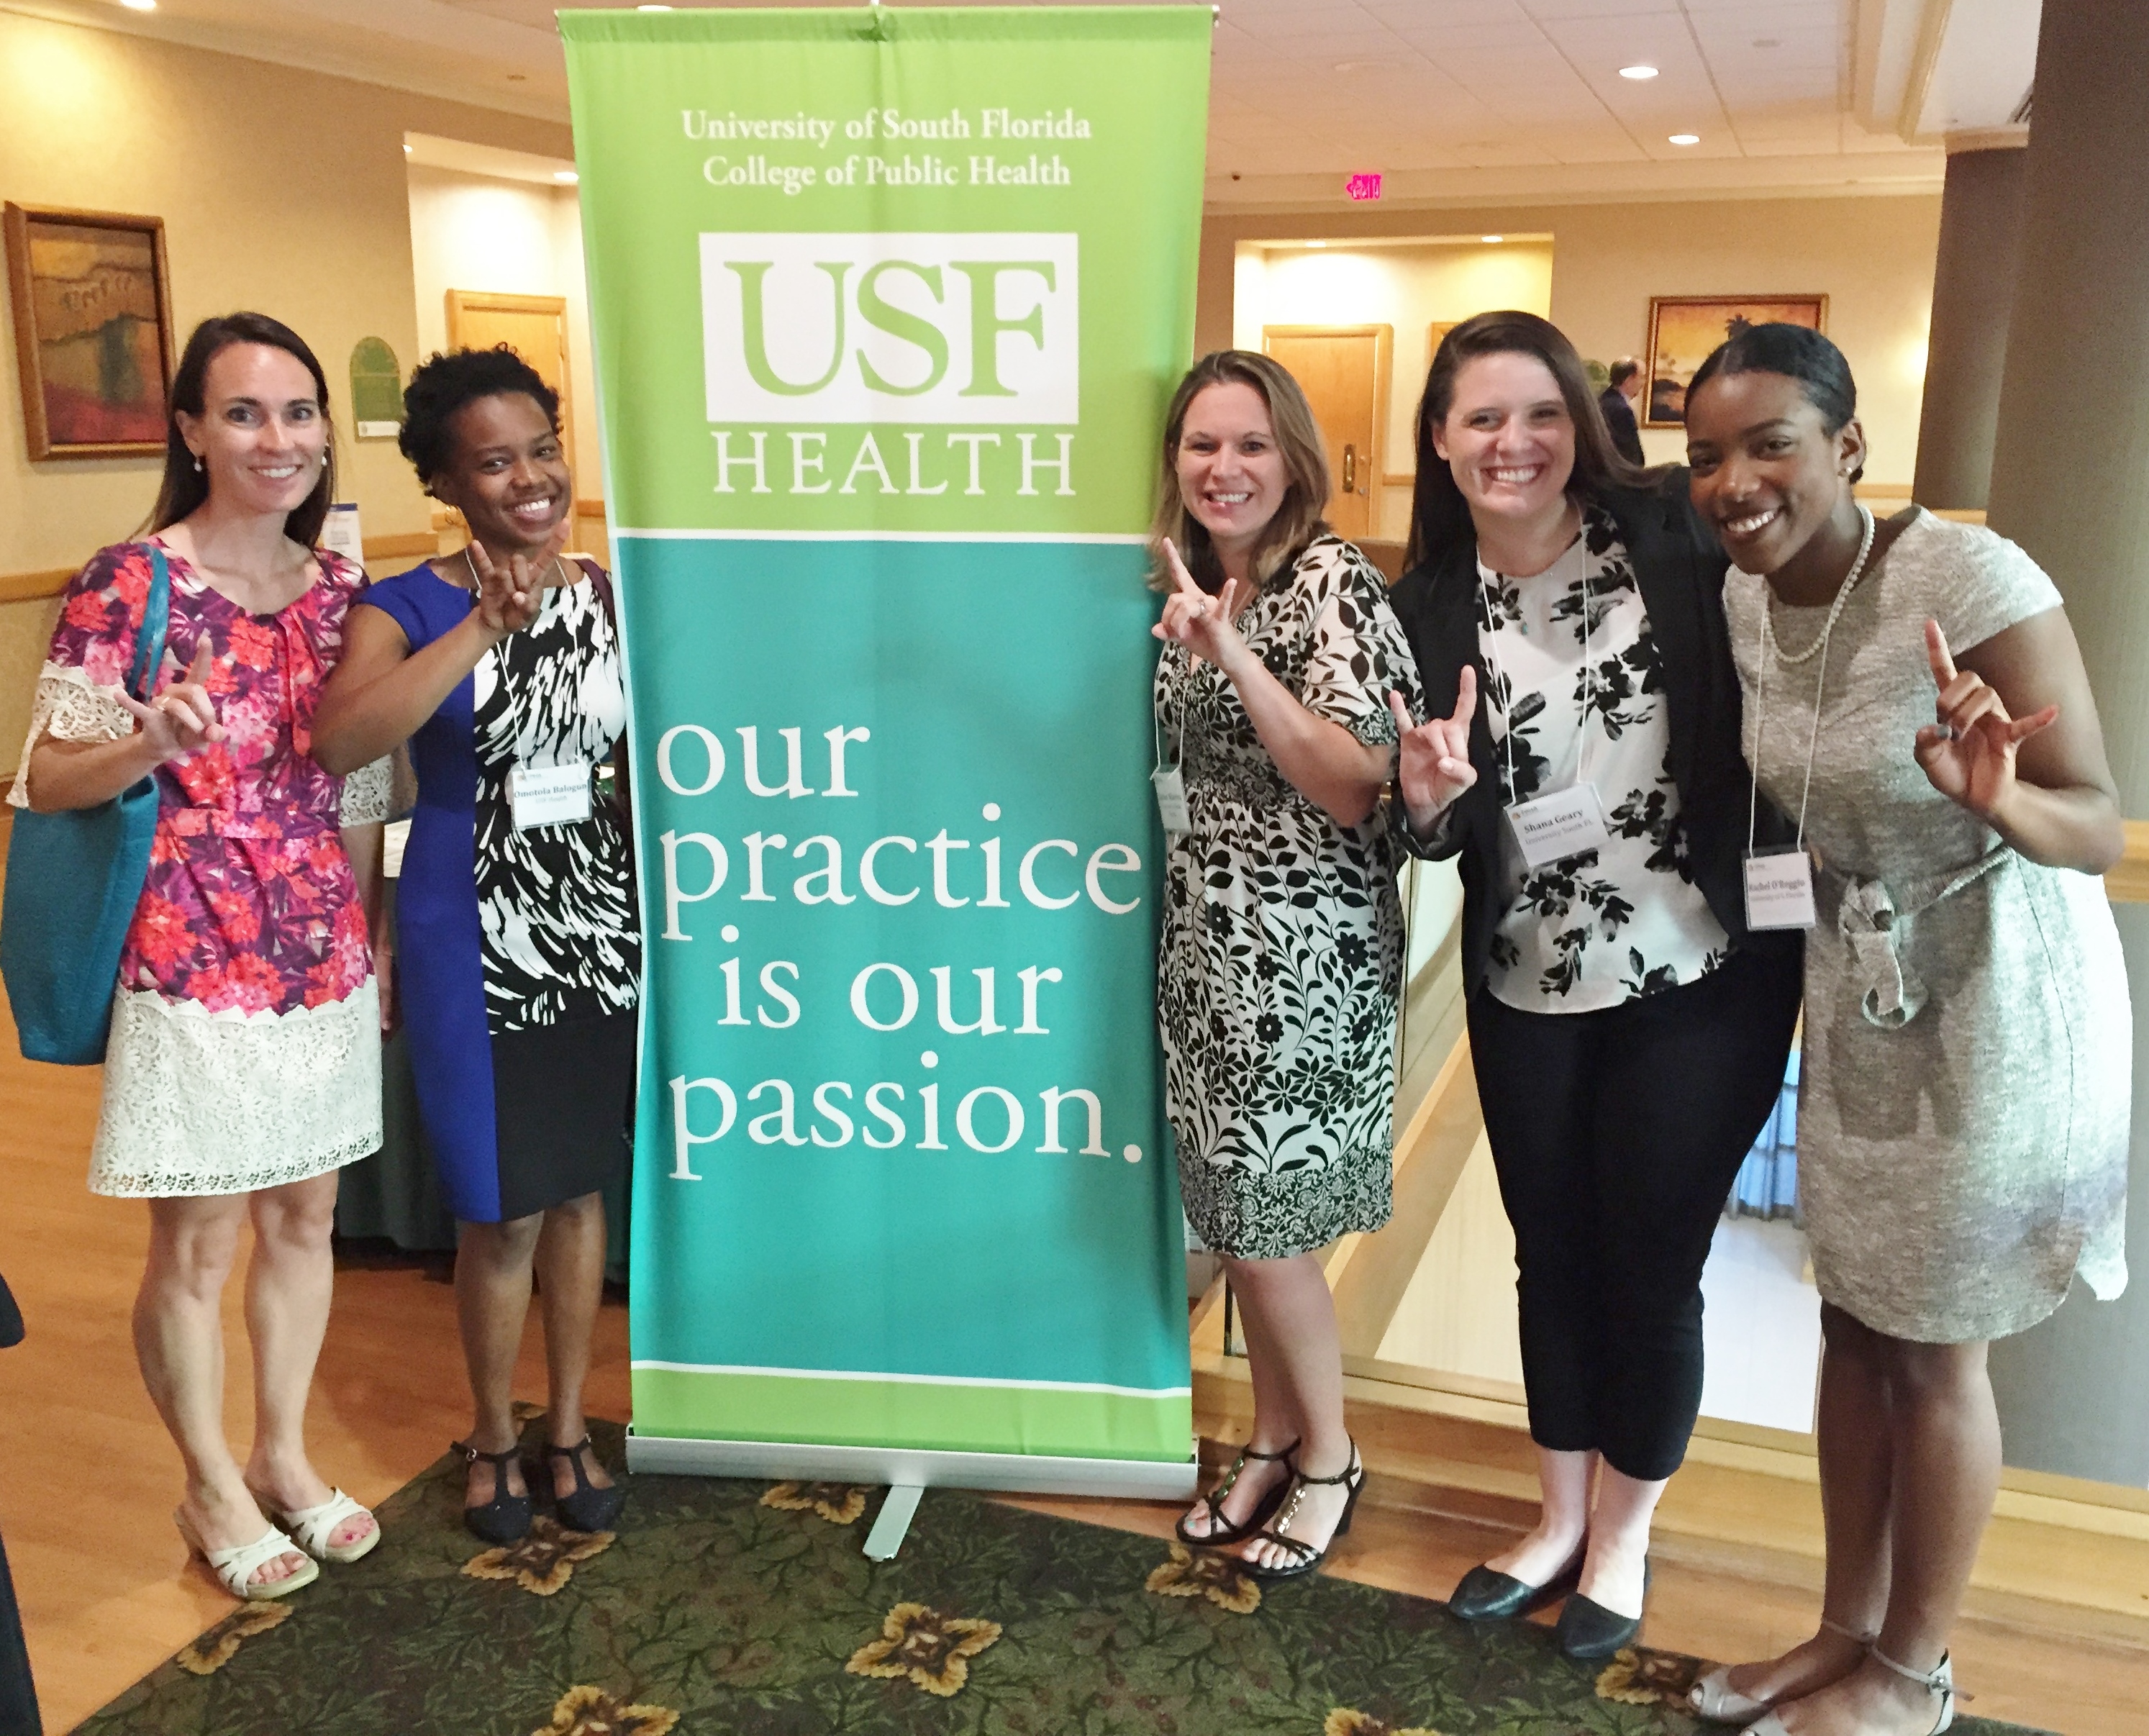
(534,326)
(1343,371)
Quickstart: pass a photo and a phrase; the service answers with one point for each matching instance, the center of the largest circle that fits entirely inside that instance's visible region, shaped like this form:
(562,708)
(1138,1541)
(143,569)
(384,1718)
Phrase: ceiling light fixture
(1638,72)
(1686,139)
(1491,240)
(567,176)
(1317,244)
(652,8)
(140,5)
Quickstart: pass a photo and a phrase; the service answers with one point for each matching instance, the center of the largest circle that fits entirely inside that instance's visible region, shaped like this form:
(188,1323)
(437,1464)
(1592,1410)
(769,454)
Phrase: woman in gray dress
(1915,698)
(1281,957)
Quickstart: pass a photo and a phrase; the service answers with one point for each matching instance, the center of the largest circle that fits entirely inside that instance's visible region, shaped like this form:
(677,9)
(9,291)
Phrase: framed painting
(92,308)
(1683,330)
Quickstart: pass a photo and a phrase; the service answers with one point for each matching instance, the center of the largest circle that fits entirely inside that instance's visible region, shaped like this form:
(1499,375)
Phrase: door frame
(1384,346)
(460,301)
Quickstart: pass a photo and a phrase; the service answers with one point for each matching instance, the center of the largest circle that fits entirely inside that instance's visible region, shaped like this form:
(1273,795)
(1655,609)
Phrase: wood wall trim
(28,587)
(2128,883)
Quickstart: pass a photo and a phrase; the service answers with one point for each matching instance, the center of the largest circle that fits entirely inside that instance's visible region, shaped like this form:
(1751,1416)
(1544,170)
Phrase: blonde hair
(1297,521)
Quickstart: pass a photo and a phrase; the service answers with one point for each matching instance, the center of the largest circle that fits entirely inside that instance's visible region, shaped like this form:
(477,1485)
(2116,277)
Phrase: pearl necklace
(1834,609)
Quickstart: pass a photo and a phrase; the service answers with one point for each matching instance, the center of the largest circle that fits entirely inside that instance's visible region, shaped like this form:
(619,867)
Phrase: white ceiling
(1455,101)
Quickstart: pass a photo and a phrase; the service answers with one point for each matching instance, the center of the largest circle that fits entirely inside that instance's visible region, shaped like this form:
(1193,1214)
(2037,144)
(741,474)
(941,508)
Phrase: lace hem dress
(246,1043)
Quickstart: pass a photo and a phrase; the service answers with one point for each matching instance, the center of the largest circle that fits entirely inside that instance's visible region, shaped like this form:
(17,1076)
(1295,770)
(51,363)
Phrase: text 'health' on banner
(887,304)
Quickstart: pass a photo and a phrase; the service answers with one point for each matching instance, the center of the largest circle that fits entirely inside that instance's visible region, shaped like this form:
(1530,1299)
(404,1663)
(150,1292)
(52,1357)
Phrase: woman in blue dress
(517,942)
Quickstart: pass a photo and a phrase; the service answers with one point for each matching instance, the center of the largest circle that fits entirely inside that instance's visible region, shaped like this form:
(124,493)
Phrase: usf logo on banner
(887,304)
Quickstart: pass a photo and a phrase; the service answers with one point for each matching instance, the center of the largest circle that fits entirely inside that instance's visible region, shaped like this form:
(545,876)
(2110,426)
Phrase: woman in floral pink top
(244,1067)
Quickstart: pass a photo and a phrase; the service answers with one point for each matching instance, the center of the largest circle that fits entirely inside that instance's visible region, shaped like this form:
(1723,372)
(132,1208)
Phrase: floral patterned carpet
(742,1609)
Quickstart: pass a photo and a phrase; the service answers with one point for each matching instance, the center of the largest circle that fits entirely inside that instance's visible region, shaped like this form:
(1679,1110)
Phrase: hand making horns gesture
(509,597)
(1969,753)
(1193,618)
(182,717)
(1432,762)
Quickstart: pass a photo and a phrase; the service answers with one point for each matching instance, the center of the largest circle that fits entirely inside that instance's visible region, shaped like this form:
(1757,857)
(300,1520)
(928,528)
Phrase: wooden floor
(87,1478)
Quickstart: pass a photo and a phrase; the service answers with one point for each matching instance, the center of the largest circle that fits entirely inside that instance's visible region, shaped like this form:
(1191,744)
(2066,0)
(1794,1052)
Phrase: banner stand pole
(892,1524)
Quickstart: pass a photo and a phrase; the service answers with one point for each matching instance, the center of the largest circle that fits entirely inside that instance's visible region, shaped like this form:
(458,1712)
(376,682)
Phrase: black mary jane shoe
(1588,1631)
(585,1507)
(1304,1558)
(1222,1532)
(505,1518)
(1485,1595)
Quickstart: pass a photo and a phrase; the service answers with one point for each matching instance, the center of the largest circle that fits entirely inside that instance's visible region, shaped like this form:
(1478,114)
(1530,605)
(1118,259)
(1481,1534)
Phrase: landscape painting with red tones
(93,331)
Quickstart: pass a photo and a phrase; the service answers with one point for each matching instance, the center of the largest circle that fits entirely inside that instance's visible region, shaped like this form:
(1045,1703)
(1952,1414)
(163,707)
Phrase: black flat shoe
(1588,1631)
(1221,1532)
(505,1518)
(1485,1595)
(586,1507)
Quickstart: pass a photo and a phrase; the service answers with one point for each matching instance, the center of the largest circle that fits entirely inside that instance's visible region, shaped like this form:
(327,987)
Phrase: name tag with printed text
(1171,800)
(1565,824)
(549,795)
(1779,890)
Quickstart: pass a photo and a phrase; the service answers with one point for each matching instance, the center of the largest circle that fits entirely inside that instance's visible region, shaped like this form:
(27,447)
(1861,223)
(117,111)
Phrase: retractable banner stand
(887,304)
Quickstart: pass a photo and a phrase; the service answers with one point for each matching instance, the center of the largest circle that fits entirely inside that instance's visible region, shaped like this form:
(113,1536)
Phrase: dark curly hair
(1798,353)
(443,383)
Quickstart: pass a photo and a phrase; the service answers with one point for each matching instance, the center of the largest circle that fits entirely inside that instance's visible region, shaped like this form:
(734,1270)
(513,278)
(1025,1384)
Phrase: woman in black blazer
(1627,1032)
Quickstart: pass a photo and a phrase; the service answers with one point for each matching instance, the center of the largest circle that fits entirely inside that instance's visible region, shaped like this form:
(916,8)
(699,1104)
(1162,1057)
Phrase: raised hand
(1432,761)
(1202,623)
(182,717)
(510,596)
(1969,753)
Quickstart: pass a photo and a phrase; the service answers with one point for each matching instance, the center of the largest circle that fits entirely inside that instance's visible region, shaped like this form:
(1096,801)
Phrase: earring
(198,464)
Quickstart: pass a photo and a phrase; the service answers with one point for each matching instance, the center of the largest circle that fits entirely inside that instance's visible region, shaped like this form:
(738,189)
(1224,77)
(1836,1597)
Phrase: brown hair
(1439,514)
(184,486)
(1297,519)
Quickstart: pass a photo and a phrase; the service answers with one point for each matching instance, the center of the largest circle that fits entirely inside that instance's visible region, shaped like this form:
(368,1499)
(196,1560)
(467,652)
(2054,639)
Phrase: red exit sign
(1364,186)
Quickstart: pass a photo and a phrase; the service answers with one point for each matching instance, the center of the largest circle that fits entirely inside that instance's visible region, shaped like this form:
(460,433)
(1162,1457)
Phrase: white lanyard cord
(1820,680)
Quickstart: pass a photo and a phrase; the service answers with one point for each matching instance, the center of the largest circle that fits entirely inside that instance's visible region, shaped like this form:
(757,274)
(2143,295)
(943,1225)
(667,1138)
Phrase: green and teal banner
(887,304)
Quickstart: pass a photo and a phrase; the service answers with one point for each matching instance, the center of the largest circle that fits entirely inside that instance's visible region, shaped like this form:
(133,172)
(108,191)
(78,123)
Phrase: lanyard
(1507,691)
(1819,647)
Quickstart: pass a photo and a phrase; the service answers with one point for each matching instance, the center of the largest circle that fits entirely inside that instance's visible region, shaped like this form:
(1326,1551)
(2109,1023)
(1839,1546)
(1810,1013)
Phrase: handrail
(2128,882)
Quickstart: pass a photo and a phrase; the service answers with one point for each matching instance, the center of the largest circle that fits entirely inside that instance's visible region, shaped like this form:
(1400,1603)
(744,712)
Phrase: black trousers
(1617,1135)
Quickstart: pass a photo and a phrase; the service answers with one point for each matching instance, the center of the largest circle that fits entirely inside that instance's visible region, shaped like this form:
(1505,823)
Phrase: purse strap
(149,638)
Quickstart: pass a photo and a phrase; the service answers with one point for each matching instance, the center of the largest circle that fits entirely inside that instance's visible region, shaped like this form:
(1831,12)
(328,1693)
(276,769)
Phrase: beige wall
(515,237)
(1873,257)
(1405,287)
(281,190)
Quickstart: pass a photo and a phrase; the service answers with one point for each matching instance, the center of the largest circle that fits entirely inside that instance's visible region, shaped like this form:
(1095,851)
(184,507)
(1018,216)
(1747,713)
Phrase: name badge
(549,795)
(1779,890)
(1564,823)
(1171,800)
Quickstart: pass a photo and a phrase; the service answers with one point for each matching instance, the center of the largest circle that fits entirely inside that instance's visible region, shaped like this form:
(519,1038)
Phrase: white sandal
(1715,1699)
(235,1567)
(1940,1680)
(312,1527)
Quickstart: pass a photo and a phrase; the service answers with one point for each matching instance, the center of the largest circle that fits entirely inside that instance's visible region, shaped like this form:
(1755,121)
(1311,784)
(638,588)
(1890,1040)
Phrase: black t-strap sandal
(585,1507)
(505,1518)
(1306,1558)
(1223,1530)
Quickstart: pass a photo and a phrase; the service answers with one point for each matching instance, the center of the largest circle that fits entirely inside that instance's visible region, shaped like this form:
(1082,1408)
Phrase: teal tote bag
(73,880)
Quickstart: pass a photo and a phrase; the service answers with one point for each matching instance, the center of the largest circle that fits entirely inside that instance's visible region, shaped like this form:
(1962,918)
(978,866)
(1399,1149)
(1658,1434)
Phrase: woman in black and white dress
(519,948)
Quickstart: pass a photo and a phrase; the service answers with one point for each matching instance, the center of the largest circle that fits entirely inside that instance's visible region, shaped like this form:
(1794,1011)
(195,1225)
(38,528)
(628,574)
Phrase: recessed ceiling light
(1317,244)
(140,5)
(1491,238)
(652,8)
(1638,72)
(1686,139)
(568,175)
(407,150)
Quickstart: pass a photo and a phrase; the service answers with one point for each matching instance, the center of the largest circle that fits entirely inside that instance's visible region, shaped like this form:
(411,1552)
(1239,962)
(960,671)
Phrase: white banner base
(1007,1473)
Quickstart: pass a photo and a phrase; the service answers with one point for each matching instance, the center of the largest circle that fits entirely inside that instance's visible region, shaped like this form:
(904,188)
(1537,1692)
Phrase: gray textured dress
(1965,1089)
